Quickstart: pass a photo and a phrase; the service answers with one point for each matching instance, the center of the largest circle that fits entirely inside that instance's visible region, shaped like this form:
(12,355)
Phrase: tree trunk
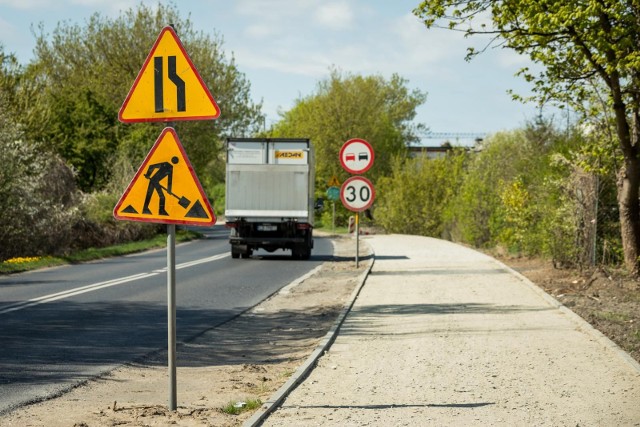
(629,205)
(628,180)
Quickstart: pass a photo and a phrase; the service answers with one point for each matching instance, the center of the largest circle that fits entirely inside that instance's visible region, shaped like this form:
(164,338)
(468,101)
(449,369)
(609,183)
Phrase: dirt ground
(252,356)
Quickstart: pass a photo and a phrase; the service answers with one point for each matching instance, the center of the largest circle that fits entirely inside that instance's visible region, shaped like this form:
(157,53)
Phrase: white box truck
(269,195)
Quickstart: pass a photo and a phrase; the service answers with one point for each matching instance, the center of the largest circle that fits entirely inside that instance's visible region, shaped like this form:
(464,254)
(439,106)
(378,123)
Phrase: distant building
(430,152)
(436,152)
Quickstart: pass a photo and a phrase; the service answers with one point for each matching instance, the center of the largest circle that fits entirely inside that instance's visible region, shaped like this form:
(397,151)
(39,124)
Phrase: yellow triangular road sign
(333,182)
(165,189)
(168,87)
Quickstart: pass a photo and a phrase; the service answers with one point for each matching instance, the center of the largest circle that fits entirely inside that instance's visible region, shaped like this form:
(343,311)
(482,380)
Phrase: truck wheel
(246,254)
(301,253)
(235,253)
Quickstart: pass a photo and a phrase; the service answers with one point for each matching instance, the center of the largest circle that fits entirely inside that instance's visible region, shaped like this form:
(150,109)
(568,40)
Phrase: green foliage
(347,106)
(37,194)
(88,72)
(590,60)
(235,408)
(521,190)
(413,199)
(60,129)
(217,198)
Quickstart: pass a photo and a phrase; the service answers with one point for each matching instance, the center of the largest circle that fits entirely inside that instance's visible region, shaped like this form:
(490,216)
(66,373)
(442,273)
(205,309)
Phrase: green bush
(521,190)
(413,200)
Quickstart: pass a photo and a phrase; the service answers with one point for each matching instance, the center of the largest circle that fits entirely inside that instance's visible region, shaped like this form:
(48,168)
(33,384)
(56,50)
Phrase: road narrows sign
(357,194)
(356,156)
(165,189)
(168,87)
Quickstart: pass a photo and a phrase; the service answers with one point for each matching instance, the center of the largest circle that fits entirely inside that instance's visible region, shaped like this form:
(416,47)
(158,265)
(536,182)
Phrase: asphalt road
(62,326)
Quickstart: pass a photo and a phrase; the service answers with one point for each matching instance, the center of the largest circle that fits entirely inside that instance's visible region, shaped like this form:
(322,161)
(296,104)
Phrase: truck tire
(235,253)
(301,252)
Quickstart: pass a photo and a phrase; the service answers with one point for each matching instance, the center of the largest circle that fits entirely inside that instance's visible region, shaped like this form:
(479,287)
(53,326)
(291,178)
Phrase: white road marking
(101,285)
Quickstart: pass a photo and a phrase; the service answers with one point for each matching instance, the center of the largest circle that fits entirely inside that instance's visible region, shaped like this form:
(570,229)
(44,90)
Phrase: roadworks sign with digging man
(165,189)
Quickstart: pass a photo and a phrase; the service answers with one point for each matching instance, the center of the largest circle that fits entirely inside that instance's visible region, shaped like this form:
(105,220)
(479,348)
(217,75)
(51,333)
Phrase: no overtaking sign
(356,156)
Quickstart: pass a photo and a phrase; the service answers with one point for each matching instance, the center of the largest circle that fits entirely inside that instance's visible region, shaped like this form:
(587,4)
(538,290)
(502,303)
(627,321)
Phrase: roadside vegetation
(20,264)
(236,408)
(531,191)
(67,159)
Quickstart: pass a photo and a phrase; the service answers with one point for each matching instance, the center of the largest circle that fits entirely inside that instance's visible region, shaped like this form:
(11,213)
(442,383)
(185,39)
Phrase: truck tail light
(302,226)
(231,225)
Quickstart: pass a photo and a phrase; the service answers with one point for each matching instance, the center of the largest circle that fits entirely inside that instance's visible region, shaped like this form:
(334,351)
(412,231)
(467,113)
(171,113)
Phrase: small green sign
(333,193)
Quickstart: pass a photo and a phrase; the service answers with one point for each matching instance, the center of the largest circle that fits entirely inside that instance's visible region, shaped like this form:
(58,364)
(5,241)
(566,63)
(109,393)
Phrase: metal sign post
(333,218)
(171,314)
(357,240)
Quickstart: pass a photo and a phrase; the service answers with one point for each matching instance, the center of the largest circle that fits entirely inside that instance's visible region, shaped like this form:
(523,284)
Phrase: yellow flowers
(21,260)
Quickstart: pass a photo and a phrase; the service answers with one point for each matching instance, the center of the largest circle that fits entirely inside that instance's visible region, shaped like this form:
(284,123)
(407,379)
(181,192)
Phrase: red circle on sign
(356,156)
(357,194)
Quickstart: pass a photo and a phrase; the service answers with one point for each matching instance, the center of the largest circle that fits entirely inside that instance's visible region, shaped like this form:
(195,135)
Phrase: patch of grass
(287,373)
(632,296)
(18,265)
(612,316)
(235,408)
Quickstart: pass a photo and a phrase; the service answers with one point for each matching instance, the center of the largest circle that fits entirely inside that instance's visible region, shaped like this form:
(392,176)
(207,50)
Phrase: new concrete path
(443,335)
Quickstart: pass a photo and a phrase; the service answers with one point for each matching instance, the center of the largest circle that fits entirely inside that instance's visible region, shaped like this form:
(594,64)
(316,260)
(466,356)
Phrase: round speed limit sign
(357,194)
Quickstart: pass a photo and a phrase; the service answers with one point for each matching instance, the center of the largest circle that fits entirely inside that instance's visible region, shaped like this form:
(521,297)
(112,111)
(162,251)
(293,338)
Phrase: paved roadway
(62,326)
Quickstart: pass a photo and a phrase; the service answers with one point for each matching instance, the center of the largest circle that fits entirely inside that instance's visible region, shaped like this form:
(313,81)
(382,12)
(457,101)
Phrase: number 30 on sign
(357,194)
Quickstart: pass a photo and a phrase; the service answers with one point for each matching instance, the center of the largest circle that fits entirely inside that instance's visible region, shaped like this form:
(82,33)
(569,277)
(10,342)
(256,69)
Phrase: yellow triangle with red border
(168,87)
(165,189)
(333,182)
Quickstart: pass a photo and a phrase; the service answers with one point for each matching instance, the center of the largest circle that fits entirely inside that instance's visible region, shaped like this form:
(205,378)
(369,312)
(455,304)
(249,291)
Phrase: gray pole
(357,240)
(171,313)
(333,223)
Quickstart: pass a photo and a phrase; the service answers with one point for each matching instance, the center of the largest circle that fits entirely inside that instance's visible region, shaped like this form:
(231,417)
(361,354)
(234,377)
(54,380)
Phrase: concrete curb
(276,399)
(579,321)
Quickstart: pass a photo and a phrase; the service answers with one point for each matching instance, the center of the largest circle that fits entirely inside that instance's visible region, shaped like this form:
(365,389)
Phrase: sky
(285,47)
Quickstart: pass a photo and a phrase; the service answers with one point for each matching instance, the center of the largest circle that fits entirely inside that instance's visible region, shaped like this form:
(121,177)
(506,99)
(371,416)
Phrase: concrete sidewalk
(443,335)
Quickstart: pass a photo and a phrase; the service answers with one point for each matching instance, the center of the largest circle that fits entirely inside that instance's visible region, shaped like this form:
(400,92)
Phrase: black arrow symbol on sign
(158,82)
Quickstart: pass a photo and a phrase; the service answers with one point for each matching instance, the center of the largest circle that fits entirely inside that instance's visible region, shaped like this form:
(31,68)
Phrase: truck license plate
(266,227)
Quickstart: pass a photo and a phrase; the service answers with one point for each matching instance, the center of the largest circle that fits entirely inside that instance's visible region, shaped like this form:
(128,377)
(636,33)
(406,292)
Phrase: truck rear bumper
(265,241)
